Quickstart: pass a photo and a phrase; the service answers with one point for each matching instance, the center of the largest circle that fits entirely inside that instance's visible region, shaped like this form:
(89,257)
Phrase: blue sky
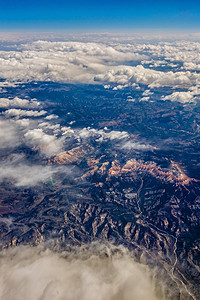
(99,15)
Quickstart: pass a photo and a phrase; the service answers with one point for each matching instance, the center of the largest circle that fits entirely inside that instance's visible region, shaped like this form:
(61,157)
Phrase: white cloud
(9,134)
(183,97)
(22,173)
(47,125)
(191,66)
(102,273)
(115,135)
(50,117)
(113,64)
(86,62)
(26,175)
(67,131)
(4,102)
(13,112)
(5,84)
(131,145)
(101,134)
(127,75)
(122,139)
(23,122)
(47,144)
(62,61)
(144,98)
(147,93)
(18,102)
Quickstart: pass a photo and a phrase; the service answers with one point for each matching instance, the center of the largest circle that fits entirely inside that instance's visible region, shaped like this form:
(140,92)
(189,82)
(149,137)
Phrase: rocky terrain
(125,172)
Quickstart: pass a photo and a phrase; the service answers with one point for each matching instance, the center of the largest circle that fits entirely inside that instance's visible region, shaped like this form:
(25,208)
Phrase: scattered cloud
(25,174)
(50,117)
(122,139)
(101,134)
(13,112)
(131,145)
(47,144)
(183,97)
(18,103)
(49,126)
(6,84)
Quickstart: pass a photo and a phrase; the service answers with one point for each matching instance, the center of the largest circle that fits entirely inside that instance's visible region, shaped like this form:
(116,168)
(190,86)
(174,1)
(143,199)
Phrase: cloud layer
(62,61)
(38,274)
(171,64)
